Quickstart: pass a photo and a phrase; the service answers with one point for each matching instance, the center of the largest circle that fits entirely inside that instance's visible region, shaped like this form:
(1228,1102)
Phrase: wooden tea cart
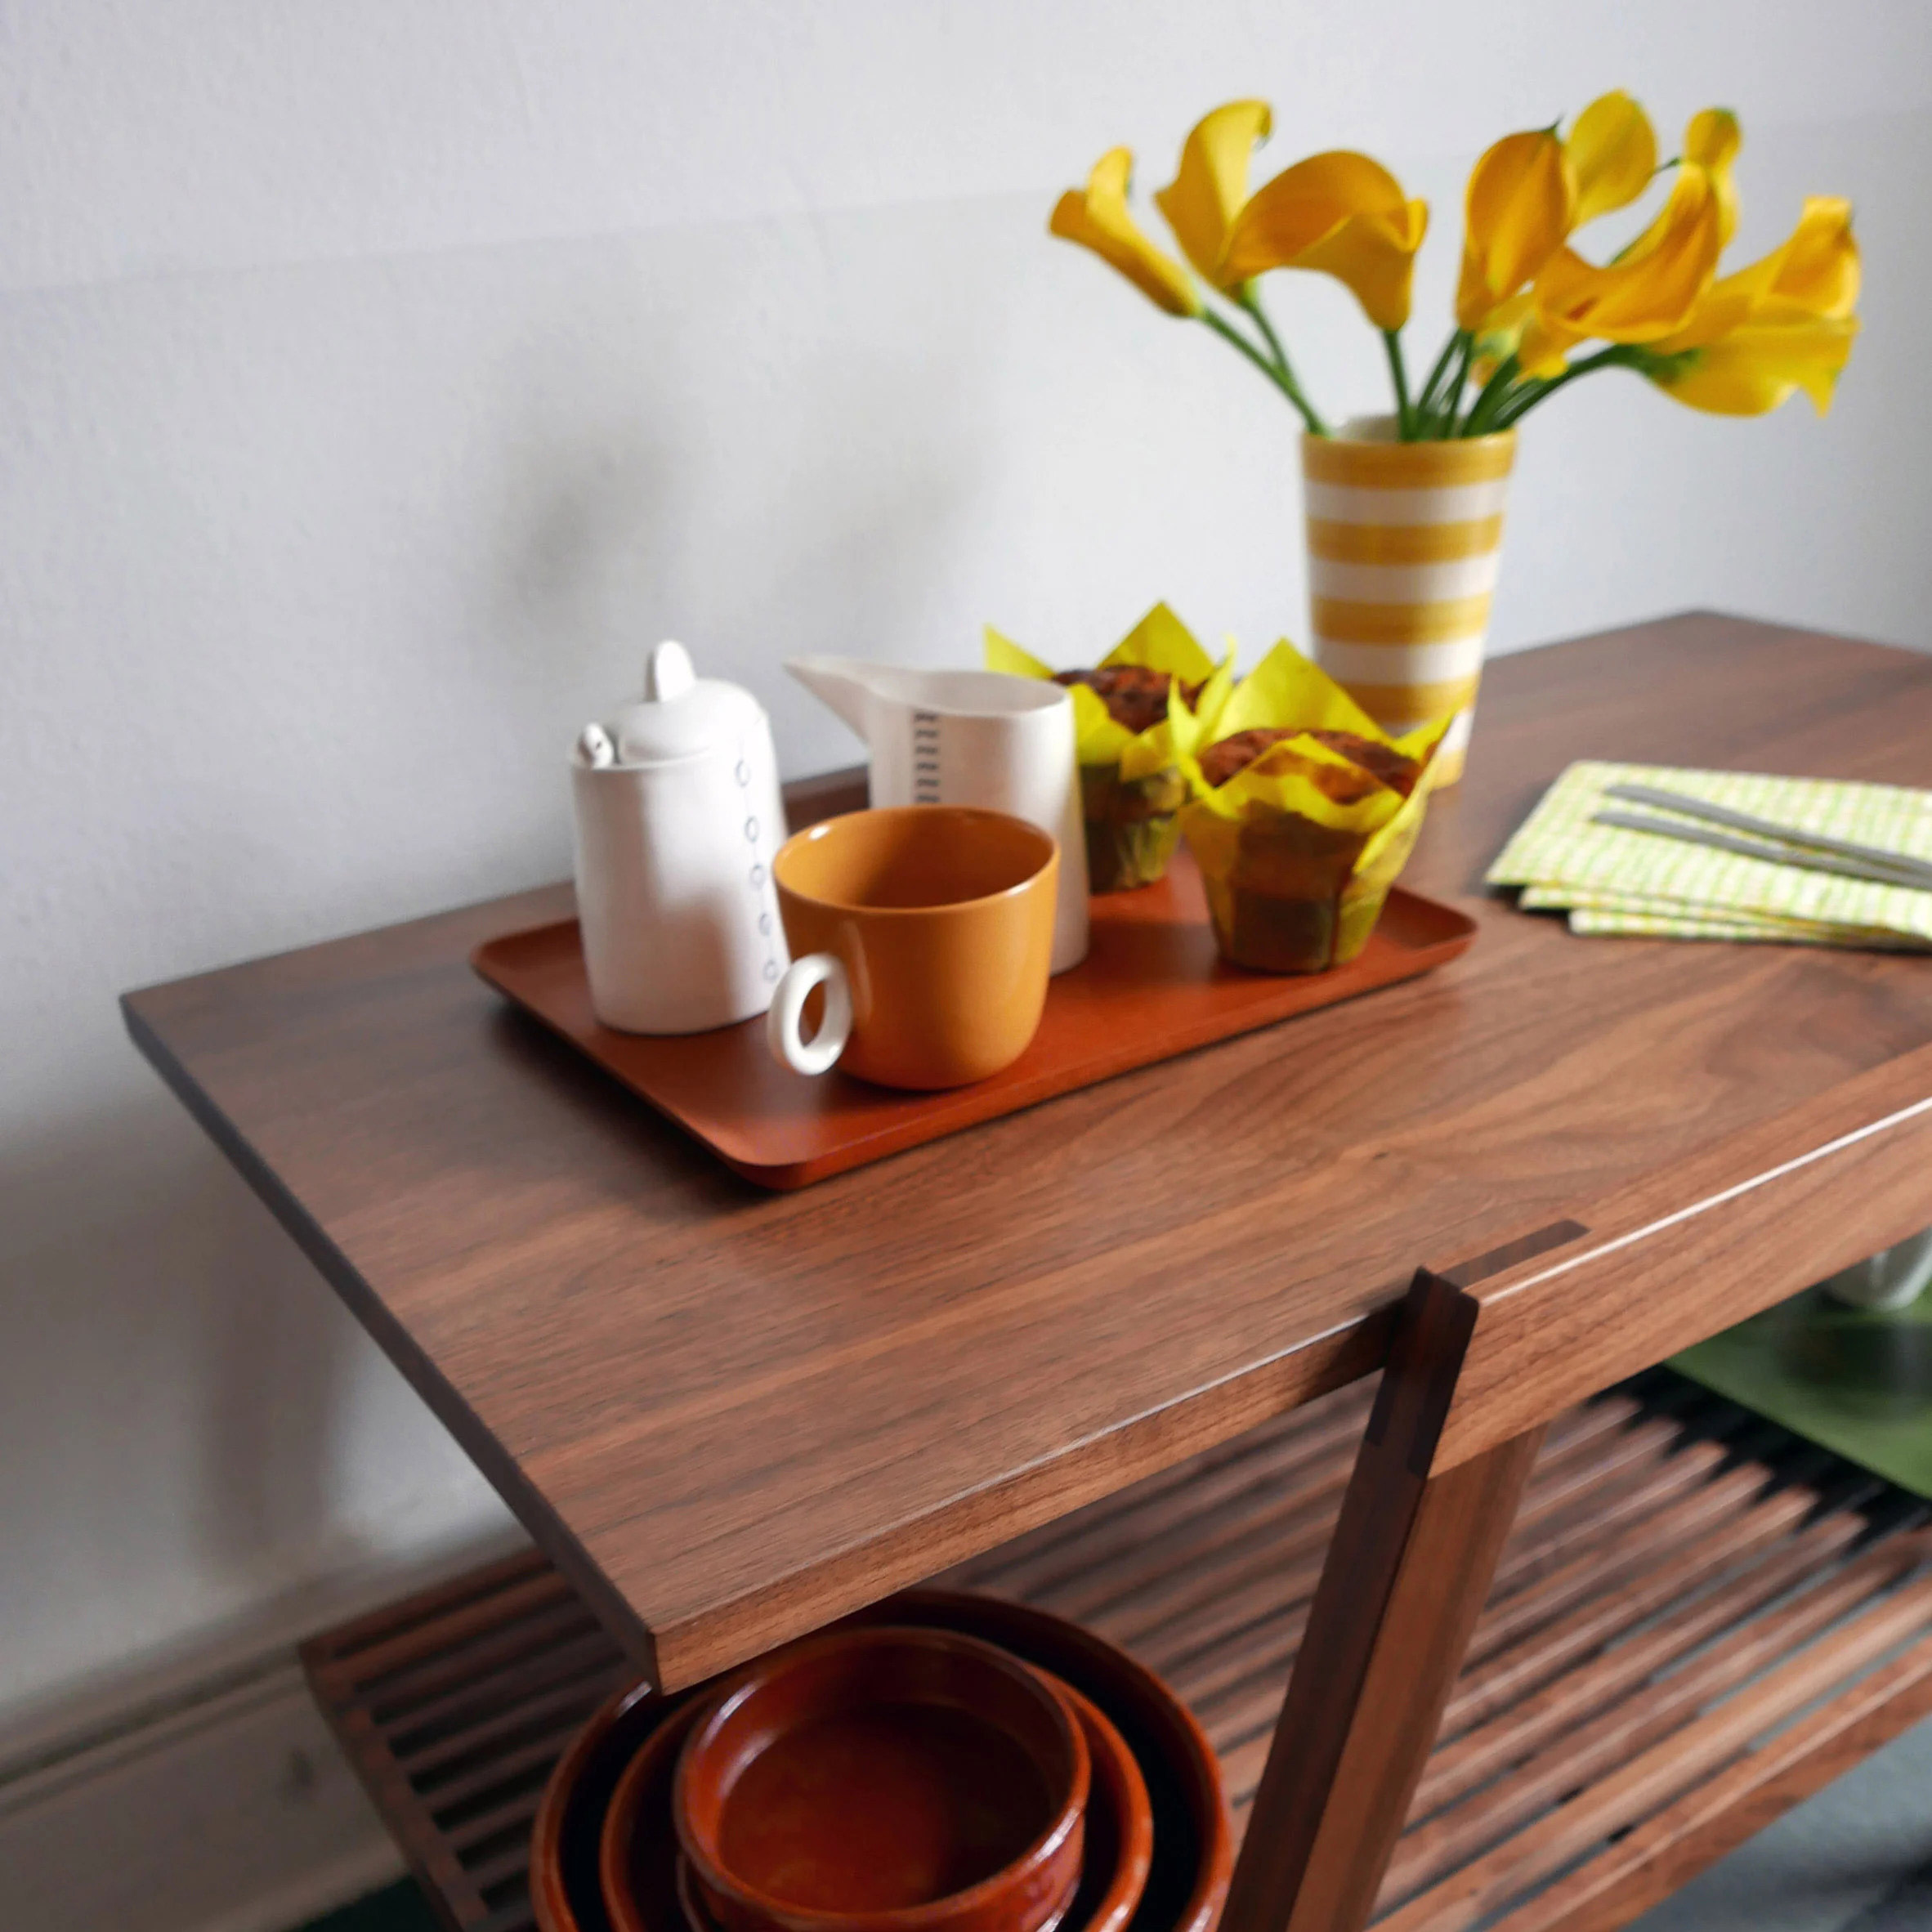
(1565,1646)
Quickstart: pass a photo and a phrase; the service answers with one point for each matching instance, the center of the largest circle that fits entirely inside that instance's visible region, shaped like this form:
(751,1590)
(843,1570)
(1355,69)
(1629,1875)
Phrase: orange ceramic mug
(930,927)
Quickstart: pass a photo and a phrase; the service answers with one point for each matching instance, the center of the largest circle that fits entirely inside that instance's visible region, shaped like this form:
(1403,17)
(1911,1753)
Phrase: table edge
(497,1468)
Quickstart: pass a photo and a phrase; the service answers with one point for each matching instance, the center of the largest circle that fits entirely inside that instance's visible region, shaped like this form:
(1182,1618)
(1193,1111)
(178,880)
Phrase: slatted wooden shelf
(1698,1620)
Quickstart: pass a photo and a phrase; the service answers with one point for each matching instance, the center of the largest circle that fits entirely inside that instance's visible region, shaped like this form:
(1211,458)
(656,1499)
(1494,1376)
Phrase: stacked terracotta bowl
(941,1763)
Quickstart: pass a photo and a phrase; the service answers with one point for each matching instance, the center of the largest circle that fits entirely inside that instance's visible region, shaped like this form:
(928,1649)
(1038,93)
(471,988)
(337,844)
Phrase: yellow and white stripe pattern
(1403,542)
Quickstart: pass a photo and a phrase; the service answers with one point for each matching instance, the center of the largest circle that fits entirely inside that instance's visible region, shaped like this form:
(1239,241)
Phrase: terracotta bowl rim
(698,1916)
(1068,1818)
(1134,1822)
(549,1899)
(1194,1764)
(616,1836)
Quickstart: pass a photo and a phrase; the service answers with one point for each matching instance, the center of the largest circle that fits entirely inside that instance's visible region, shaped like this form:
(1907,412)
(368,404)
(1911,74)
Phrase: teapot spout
(841,682)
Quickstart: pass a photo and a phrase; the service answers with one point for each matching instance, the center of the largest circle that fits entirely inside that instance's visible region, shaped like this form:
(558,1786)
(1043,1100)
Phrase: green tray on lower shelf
(1856,1380)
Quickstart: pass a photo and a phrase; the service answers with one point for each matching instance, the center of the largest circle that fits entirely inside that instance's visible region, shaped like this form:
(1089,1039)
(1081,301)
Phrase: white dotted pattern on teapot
(758,872)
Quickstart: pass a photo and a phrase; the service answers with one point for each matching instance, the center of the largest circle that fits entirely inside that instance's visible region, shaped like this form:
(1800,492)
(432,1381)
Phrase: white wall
(378,378)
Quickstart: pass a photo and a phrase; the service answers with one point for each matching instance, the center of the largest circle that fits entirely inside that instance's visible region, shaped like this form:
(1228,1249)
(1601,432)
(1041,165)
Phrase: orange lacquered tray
(1151,987)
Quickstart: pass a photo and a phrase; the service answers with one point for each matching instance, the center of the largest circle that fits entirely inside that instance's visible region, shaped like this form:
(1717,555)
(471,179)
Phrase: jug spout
(841,682)
(972,738)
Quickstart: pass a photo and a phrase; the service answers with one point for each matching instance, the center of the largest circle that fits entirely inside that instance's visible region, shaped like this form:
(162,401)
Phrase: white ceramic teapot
(677,815)
(970,738)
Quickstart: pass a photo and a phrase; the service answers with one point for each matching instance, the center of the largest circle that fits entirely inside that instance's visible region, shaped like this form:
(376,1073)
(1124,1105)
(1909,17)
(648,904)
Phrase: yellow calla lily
(1816,268)
(1340,214)
(1098,218)
(1711,143)
(1530,192)
(1783,347)
(1525,298)
(1612,155)
(1782,324)
(1819,265)
(1516,214)
(1211,185)
(1648,292)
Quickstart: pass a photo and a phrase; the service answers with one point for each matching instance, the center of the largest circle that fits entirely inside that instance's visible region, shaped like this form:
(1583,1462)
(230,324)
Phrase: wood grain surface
(730,1416)
(1673,1560)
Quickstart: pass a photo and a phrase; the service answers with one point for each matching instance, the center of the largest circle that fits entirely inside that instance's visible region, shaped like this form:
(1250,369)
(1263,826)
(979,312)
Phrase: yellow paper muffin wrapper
(1131,786)
(1298,849)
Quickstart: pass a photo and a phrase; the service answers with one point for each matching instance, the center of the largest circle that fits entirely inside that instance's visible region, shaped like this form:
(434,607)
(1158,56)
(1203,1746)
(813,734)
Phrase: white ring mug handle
(789,1046)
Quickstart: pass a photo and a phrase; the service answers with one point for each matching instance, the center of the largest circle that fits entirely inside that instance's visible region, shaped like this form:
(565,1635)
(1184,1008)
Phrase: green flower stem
(1432,389)
(1490,399)
(1251,300)
(1277,373)
(1618,355)
(1404,415)
(1452,396)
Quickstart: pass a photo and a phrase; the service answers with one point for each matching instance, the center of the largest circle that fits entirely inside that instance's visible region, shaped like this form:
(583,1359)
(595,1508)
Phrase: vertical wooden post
(1405,1576)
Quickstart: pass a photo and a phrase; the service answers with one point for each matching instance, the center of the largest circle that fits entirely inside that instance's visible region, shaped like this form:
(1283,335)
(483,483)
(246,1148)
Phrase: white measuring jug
(970,738)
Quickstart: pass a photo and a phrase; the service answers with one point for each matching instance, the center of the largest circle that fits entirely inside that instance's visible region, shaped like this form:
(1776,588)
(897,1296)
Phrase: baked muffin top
(1135,694)
(1220,761)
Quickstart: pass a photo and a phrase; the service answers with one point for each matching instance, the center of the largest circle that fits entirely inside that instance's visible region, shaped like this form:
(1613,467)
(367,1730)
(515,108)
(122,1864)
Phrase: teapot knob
(668,672)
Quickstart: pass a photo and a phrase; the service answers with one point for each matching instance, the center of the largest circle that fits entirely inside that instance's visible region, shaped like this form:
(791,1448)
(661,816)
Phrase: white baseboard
(236,1814)
(199,1789)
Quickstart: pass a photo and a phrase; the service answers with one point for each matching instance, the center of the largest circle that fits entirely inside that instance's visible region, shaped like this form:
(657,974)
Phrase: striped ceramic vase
(1403,543)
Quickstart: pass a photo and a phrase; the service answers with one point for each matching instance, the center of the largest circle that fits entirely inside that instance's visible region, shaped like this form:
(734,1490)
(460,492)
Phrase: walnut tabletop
(731,1416)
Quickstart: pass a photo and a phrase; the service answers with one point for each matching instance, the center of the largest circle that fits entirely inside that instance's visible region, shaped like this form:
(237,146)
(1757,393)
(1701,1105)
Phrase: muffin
(1302,813)
(1226,756)
(1135,696)
(1132,787)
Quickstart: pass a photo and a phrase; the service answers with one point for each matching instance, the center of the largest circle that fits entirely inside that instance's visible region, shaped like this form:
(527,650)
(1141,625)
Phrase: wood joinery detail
(1678,1256)
(1408,1571)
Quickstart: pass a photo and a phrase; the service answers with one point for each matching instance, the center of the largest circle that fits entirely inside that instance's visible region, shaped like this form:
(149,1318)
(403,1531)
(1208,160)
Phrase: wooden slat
(1712,1517)
(460,1720)
(1320,1437)
(379,1667)
(1650,1863)
(1175,1595)
(1505,1677)
(454,1707)
(429,1610)
(400,1695)
(1545,1547)
(513,1817)
(1681,1583)
(1249,1696)
(1540,1778)
(452,1799)
(1676,1763)
(1224,1671)
(1475,1750)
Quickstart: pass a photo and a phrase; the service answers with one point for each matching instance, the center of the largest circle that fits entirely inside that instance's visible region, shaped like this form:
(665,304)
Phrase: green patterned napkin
(1613,881)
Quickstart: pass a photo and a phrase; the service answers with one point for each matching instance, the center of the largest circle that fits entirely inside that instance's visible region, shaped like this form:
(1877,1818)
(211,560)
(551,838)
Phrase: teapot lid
(682,715)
